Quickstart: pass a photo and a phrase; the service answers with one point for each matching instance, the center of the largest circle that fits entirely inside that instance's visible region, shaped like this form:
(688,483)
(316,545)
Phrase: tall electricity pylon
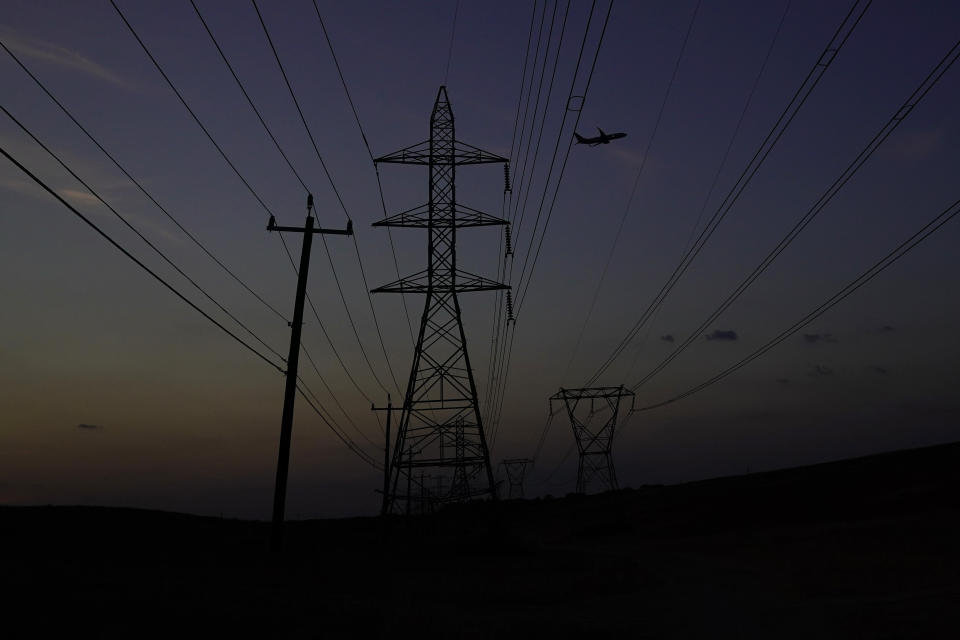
(594,441)
(440,425)
(515,470)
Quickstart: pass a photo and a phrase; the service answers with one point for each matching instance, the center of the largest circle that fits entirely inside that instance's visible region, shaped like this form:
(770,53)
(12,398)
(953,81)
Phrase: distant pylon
(440,425)
(515,470)
(594,441)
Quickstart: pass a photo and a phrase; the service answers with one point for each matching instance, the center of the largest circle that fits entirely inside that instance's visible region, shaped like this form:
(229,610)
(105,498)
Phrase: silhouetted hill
(863,548)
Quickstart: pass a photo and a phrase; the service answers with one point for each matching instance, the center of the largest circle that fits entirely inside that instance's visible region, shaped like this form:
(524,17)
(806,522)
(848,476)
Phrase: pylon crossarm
(420,153)
(469,154)
(422,415)
(463,282)
(445,462)
(414,154)
(419,217)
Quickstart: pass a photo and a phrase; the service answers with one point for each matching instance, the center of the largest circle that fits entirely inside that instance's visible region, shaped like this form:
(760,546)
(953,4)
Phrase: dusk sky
(115,392)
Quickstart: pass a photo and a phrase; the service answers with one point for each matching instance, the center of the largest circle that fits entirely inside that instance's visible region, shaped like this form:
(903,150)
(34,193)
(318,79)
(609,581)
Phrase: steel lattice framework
(516,471)
(440,425)
(594,442)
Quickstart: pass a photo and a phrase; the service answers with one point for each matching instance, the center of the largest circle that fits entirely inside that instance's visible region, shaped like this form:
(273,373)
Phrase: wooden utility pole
(286,421)
(386,453)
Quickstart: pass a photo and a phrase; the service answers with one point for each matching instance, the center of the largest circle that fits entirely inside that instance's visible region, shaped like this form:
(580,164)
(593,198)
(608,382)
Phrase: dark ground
(863,548)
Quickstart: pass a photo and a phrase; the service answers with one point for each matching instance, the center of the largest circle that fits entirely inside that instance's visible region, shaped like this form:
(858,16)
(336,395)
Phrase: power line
(536,154)
(139,185)
(570,97)
(512,330)
(316,149)
(502,389)
(296,103)
(246,95)
(161,207)
(140,235)
(235,170)
(453,32)
(900,114)
(363,455)
(174,266)
(721,166)
(499,346)
(553,471)
(633,190)
(353,325)
(140,264)
(881,265)
(505,206)
(522,297)
(323,329)
(376,167)
(336,401)
(736,129)
(543,436)
(187,106)
(526,166)
(819,68)
(523,73)
(543,120)
(526,107)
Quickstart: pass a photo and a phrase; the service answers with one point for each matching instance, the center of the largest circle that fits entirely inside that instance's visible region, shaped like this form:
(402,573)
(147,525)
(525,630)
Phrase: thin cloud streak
(78,197)
(61,57)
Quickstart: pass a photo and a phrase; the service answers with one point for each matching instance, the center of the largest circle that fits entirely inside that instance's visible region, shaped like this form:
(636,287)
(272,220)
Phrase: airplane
(603,138)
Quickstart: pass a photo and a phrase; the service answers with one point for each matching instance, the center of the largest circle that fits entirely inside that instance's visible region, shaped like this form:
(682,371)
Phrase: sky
(113,391)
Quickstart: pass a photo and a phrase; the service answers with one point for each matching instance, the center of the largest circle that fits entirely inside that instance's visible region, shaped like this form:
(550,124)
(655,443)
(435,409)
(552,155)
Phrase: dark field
(864,548)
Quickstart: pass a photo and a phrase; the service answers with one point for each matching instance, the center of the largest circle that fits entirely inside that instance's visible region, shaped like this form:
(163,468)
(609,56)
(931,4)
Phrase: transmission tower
(440,426)
(515,470)
(594,436)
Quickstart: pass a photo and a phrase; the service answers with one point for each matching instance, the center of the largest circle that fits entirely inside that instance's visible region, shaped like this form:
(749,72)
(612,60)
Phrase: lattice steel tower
(440,425)
(516,471)
(594,438)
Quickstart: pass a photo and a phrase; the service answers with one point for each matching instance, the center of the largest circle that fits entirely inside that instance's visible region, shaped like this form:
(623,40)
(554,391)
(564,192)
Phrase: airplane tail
(580,138)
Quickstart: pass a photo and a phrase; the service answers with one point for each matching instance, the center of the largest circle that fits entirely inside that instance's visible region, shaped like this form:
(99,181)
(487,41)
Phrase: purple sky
(177,416)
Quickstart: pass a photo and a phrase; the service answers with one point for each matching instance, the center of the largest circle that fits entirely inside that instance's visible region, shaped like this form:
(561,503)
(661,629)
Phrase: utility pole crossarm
(272,226)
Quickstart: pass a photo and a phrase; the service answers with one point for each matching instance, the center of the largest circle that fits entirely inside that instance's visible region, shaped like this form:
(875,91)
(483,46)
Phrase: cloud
(918,144)
(668,338)
(878,369)
(60,56)
(86,426)
(813,338)
(78,197)
(625,155)
(887,329)
(20,186)
(821,370)
(719,334)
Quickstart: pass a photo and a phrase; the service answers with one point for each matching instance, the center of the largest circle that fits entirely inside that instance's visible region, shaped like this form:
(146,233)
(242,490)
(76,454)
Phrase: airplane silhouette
(603,138)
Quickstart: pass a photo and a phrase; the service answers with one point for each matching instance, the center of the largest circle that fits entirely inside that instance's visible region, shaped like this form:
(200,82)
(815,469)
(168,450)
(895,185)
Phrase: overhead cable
(899,115)
(140,264)
(817,71)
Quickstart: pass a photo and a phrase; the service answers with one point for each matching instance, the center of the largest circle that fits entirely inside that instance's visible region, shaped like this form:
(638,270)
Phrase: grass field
(862,548)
